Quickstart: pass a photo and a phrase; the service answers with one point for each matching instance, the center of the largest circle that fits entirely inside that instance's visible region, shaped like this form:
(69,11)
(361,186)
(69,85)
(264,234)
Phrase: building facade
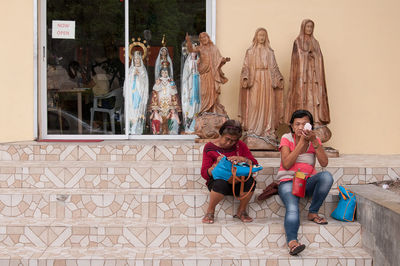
(358,41)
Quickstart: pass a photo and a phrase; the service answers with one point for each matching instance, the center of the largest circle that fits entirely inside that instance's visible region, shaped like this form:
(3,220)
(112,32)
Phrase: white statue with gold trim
(136,90)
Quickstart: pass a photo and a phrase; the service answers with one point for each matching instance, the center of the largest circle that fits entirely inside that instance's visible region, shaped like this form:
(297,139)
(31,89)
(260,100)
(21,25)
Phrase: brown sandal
(244,217)
(208,218)
(318,220)
(296,248)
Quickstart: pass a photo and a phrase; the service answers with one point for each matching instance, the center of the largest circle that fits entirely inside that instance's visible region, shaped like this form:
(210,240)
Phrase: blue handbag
(223,170)
(346,209)
(235,174)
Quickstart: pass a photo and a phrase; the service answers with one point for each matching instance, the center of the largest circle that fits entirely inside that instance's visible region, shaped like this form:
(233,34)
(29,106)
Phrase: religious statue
(136,90)
(164,99)
(163,56)
(261,94)
(190,92)
(211,75)
(173,122)
(156,121)
(307,89)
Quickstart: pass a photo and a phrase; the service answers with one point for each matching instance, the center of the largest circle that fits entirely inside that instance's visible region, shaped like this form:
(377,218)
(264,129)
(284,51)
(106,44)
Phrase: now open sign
(63,29)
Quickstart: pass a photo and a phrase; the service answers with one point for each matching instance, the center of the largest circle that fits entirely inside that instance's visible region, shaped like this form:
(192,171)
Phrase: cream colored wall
(16,70)
(359,39)
(360,42)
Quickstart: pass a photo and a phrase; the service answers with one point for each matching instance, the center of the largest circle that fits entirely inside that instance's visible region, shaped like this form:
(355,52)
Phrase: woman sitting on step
(236,151)
(298,152)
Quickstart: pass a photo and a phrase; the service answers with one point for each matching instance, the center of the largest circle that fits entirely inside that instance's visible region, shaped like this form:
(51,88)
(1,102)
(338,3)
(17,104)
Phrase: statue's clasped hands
(245,83)
(226,59)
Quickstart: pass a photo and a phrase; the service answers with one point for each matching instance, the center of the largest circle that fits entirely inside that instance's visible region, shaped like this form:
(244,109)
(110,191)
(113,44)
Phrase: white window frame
(40,78)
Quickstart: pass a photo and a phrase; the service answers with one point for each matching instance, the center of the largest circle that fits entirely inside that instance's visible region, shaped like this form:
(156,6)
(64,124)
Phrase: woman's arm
(210,160)
(319,150)
(288,157)
(205,166)
(320,153)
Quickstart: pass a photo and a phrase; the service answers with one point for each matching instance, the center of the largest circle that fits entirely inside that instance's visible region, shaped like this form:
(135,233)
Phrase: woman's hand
(309,135)
(214,164)
(238,159)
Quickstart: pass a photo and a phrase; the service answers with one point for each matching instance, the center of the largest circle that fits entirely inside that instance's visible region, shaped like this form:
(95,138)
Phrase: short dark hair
(231,127)
(301,114)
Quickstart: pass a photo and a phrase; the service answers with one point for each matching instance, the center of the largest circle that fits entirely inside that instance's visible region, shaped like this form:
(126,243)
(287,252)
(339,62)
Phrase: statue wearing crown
(136,91)
(163,56)
(164,104)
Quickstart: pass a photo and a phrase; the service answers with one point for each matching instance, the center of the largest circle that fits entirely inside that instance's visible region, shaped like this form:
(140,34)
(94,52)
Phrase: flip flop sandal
(296,249)
(208,218)
(244,217)
(318,220)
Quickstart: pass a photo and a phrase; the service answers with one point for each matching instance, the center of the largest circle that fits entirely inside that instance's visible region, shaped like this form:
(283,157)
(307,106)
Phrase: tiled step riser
(151,177)
(185,236)
(146,205)
(200,262)
(116,256)
(184,151)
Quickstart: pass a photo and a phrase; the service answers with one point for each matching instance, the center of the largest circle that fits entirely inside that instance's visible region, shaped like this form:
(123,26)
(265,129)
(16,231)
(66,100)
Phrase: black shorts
(225,188)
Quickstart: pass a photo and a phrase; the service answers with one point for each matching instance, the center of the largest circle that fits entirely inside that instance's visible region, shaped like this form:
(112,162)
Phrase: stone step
(116,256)
(184,233)
(102,151)
(136,203)
(144,174)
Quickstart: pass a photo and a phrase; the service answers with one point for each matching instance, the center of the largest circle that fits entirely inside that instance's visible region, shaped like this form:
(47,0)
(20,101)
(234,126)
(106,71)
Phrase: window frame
(40,77)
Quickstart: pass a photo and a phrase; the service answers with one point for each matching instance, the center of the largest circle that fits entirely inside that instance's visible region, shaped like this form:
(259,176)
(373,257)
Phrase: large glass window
(87,93)
(84,66)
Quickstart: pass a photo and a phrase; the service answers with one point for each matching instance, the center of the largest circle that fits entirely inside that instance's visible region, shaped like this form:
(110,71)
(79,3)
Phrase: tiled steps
(177,256)
(136,203)
(174,233)
(150,174)
(141,203)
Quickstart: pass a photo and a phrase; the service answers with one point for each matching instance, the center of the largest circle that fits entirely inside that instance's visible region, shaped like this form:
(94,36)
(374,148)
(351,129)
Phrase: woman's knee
(285,193)
(326,178)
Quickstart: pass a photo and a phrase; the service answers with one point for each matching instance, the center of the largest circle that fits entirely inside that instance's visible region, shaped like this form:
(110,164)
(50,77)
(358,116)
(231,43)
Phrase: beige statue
(211,75)
(307,89)
(261,94)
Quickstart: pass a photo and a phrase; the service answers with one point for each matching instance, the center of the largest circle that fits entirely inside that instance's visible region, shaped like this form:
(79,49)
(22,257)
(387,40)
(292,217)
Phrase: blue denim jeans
(317,187)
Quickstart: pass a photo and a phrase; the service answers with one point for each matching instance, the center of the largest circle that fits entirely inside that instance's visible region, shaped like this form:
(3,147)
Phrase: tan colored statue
(307,89)
(261,93)
(211,75)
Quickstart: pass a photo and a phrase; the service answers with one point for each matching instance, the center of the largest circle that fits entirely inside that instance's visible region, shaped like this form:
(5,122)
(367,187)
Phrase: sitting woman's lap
(224,187)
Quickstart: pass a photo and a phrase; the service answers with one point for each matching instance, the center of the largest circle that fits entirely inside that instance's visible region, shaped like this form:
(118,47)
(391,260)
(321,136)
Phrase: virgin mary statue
(136,91)
(261,92)
(307,89)
(190,92)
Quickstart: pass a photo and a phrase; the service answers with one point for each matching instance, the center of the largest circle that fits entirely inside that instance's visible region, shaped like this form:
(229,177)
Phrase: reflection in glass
(86,67)
(86,74)
(164,24)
